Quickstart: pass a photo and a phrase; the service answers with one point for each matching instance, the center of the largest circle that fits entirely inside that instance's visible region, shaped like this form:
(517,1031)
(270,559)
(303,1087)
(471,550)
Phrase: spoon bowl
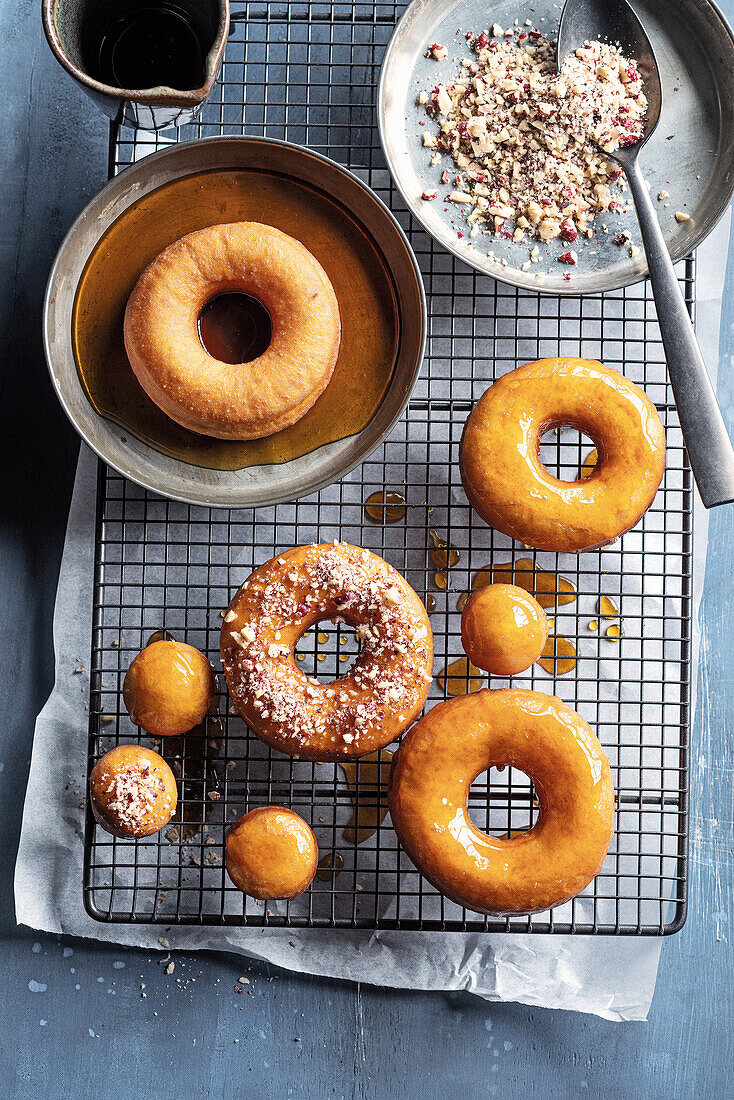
(615,22)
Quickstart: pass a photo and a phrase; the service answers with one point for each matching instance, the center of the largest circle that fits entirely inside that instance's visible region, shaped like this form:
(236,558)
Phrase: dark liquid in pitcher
(146,45)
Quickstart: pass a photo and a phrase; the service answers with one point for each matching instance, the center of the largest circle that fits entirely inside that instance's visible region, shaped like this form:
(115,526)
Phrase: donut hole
(235,328)
(327,651)
(502,802)
(567,454)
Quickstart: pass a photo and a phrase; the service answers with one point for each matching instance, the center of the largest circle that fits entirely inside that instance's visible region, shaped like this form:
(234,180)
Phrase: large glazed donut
(233,400)
(429,786)
(358,713)
(513,492)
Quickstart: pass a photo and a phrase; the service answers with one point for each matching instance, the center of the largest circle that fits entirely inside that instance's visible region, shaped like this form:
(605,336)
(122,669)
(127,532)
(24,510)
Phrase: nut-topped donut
(358,713)
(132,791)
(444,753)
(509,487)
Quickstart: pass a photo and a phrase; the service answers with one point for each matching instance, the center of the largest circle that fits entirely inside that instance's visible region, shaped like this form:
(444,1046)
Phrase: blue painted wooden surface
(80,1020)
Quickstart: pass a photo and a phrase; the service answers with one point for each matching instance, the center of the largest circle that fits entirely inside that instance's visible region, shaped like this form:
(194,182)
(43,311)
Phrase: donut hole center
(502,802)
(235,328)
(327,651)
(567,453)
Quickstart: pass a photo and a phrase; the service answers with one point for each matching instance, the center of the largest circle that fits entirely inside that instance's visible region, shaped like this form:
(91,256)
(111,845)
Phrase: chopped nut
(526,138)
(681,216)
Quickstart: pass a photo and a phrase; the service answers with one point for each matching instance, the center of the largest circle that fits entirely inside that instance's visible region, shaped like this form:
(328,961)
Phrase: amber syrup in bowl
(235,327)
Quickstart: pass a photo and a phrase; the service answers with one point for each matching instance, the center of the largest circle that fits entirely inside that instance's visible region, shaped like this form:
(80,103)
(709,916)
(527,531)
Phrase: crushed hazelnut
(527,139)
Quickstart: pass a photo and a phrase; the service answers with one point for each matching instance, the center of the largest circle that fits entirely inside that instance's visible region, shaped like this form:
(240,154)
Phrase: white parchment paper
(613,978)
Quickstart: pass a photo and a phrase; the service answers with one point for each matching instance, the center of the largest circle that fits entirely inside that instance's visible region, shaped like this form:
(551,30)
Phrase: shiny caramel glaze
(503,629)
(455,742)
(132,791)
(168,688)
(385,688)
(233,400)
(512,491)
(271,853)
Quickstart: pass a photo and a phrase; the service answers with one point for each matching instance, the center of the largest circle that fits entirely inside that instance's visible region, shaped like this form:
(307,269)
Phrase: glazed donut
(513,492)
(503,629)
(428,797)
(132,791)
(358,713)
(168,688)
(271,853)
(241,400)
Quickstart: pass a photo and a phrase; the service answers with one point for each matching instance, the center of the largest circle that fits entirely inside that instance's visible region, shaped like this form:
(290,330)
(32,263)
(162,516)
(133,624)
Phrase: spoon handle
(707,441)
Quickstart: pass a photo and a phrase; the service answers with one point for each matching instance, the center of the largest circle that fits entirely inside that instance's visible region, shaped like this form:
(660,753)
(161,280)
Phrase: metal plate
(690,155)
(252,486)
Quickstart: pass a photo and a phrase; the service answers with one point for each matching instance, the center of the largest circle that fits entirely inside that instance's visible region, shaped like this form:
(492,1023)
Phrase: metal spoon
(709,447)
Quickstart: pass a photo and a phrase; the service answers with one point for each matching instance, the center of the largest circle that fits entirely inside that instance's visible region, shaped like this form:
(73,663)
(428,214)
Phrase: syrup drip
(430,603)
(160,636)
(329,866)
(559,656)
(613,631)
(606,607)
(593,624)
(441,580)
(387,507)
(367,781)
(322,637)
(548,588)
(191,758)
(589,464)
(461,678)
(443,554)
(462,601)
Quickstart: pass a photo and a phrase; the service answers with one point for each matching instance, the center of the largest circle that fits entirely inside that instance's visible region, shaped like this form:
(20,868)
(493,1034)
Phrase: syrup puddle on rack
(549,589)
(387,507)
(461,678)
(330,866)
(367,782)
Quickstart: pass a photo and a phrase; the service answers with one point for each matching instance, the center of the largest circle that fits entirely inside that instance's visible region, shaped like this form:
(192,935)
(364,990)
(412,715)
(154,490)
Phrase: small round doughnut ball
(503,629)
(271,853)
(132,791)
(168,688)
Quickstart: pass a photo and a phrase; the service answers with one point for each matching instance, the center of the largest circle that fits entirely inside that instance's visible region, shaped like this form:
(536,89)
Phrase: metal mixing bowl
(252,486)
(691,154)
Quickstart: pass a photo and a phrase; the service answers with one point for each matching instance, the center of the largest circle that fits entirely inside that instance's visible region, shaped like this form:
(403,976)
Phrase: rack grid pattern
(308,73)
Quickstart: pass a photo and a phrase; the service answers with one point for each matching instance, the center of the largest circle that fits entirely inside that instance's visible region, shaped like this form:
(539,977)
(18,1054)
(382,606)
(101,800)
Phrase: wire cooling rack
(308,73)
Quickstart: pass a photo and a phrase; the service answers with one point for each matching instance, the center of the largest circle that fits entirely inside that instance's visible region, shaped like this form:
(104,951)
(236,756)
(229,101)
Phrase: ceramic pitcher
(106,44)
